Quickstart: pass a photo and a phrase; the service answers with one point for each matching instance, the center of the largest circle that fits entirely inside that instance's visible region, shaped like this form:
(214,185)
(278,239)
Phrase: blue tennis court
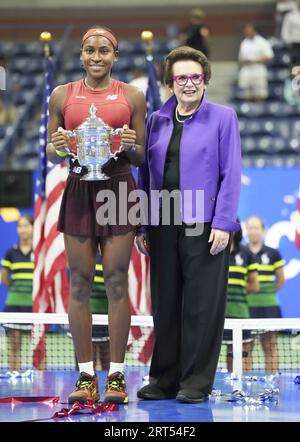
(60,383)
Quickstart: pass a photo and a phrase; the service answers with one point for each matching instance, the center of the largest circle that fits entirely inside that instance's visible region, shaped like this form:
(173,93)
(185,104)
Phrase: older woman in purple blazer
(191,176)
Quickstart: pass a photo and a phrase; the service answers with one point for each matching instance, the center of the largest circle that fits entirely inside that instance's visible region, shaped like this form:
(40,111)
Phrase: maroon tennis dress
(79,212)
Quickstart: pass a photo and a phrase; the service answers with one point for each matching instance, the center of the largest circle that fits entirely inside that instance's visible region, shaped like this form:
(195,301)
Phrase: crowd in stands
(265,94)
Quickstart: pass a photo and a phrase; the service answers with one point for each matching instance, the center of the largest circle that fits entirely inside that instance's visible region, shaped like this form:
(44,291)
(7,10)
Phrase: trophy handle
(70,134)
(115,132)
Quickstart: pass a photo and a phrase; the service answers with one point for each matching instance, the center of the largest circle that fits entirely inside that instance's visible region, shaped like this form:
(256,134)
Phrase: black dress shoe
(152,392)
(191,397)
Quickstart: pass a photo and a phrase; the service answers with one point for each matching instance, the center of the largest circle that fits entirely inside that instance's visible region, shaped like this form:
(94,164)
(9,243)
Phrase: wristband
(61,153)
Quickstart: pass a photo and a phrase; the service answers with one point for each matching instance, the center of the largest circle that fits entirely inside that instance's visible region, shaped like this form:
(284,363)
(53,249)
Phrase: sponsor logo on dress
(111,97)
(77,169)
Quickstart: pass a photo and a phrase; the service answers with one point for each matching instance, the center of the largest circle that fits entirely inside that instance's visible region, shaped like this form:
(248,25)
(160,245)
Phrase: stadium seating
(270,129)
(25,78)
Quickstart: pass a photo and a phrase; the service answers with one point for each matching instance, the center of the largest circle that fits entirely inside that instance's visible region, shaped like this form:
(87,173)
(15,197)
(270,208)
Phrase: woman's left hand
(128,139)
(219,240)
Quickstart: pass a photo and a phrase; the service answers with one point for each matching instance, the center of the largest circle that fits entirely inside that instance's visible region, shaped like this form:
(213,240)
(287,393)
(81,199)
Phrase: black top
(171,180)
(171,173)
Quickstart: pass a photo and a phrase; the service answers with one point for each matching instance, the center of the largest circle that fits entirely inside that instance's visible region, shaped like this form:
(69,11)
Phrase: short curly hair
(185,53)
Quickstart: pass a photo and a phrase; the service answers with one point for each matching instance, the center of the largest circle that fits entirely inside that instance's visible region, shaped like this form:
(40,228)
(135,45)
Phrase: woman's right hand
(142,243)
(60,140)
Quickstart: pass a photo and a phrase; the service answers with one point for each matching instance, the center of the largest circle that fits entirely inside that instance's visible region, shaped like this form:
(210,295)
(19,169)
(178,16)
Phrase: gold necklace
(177,116)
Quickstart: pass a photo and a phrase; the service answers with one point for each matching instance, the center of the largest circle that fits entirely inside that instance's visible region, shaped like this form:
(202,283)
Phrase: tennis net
(250,345)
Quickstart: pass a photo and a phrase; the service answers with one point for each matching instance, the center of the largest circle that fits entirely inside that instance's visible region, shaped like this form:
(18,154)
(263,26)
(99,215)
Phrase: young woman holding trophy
(97,105)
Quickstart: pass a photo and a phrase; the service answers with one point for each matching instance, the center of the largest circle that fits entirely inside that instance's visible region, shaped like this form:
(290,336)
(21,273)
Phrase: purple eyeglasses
(182,79)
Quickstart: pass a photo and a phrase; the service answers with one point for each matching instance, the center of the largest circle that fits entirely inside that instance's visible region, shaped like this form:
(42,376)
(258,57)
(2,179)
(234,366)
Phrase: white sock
(87,367)
(116,366)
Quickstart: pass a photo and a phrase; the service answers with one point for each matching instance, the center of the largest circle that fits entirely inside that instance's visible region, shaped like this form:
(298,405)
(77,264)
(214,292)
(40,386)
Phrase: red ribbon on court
(93,408)
(21,399)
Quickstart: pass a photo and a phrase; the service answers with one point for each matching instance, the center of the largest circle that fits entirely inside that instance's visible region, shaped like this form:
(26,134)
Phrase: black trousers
(188,292)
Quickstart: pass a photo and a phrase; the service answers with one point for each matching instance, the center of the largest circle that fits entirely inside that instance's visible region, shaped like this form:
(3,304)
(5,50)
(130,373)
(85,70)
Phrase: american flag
(297,237)
(139,270)
(50,282)
(141,338)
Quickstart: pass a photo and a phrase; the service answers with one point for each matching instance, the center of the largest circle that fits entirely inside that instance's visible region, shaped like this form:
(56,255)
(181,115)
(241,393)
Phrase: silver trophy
(94,142)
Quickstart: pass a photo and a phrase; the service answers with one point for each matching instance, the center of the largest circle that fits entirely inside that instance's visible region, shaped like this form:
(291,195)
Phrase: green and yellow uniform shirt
(21,268)
(241,263)
(269,260)
(98,300)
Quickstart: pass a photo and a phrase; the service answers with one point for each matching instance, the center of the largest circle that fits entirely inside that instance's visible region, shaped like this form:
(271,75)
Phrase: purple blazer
(210,159)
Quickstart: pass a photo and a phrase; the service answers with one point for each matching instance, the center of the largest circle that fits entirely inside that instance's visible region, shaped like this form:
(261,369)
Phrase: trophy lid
(94,122)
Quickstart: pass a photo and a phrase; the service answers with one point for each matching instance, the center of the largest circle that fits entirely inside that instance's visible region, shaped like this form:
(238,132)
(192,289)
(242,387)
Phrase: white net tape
(285,331)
